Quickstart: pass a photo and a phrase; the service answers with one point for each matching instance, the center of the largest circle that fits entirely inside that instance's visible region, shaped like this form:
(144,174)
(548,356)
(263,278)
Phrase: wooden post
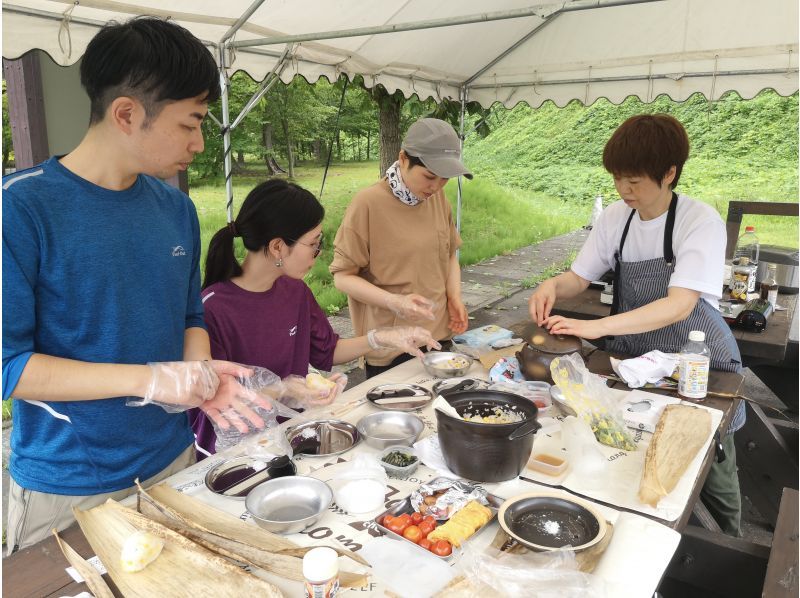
(26,110)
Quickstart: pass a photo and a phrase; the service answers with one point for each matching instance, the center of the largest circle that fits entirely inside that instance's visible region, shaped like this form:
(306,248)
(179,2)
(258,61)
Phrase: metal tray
(404,506)
(418,397)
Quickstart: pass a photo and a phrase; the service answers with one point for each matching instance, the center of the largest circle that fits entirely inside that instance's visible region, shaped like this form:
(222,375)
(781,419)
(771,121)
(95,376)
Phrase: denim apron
(637,284)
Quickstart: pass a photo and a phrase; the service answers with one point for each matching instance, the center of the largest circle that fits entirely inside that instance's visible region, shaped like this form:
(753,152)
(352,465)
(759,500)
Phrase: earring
(279,263)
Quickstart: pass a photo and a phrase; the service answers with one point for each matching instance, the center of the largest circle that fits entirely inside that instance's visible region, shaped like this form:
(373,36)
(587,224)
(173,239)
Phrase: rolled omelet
(463,524)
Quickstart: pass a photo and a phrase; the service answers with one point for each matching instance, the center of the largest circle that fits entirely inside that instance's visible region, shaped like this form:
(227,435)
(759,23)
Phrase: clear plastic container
(396,471)
(547,463)
(747,247)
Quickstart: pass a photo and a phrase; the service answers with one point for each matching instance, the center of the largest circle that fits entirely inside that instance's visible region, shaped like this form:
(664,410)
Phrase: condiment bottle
(695,361)
(321,572)
(769,286)
(748,247)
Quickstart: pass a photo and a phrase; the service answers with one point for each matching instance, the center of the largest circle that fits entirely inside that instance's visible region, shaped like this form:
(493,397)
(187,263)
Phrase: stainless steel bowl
(381,430)
(322,438)
(289,505)
(441,364)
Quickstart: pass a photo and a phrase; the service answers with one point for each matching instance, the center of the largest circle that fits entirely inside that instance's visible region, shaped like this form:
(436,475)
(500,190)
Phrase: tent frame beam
(532,11)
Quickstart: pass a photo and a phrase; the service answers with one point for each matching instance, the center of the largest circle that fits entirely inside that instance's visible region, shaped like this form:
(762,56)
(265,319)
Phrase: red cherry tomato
(426,544)
(416,518)
(430,518)
(442,548)
(412,533)
(426,527)
(406,518)
(396,526)
(387,520)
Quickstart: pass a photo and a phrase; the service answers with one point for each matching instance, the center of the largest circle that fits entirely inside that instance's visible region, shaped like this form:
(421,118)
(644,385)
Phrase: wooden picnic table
(767,346)
(40,569)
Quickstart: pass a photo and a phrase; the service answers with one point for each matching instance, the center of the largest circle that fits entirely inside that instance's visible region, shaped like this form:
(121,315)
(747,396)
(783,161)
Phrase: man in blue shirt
(101,287)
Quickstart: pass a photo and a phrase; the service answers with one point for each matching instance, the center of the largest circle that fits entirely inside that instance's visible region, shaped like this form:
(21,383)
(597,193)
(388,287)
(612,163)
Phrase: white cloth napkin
(650,367)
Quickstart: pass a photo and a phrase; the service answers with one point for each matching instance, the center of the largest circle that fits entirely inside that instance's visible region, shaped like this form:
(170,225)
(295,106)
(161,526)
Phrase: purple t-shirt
(282,329)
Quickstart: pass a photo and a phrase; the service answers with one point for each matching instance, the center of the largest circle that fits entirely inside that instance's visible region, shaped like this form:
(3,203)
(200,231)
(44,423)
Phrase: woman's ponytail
(221,262)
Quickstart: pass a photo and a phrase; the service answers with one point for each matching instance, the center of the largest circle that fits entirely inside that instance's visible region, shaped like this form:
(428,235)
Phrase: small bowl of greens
(399,461)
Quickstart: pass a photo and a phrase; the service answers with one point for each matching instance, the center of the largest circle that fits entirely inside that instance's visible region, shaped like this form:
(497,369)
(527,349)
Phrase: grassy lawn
(494,220)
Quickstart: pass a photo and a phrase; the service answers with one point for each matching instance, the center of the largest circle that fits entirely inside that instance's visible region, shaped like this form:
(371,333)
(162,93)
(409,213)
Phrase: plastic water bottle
(695,361)
(597,209)
(748,246)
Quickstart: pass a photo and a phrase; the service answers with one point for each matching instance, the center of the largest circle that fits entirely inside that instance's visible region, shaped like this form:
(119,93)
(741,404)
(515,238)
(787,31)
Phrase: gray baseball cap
(436,143)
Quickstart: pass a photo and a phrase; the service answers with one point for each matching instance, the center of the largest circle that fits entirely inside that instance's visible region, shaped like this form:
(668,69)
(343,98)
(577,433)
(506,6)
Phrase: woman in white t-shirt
(667,253)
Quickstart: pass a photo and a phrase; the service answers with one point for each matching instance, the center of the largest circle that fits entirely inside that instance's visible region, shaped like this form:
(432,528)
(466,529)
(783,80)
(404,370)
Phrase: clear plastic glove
(406,338)
(243,402)
(411,307)
(180,385)
(312,391)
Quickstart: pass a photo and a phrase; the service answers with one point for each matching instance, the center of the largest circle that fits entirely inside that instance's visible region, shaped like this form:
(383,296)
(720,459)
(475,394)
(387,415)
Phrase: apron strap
(617,256)
(669,257)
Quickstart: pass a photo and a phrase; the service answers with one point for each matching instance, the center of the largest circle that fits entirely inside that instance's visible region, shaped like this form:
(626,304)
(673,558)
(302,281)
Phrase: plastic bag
(553,574)
(360,486)
(506,370)
(483,336)
(592,400)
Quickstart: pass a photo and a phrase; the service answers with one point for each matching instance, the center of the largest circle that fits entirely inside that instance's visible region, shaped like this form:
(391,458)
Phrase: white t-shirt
(698,242)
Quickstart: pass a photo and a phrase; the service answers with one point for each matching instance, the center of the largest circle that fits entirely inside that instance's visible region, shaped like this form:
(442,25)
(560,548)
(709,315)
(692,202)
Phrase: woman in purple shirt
(260,312)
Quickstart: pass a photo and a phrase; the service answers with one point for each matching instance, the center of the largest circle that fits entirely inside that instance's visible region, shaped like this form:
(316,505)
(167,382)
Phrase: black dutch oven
(486,452)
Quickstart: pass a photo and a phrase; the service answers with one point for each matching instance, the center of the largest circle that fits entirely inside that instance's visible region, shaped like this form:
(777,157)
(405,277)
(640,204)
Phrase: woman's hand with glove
(411,307)
(406,338)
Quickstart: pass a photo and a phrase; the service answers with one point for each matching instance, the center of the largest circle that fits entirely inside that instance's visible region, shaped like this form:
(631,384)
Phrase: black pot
(486,452)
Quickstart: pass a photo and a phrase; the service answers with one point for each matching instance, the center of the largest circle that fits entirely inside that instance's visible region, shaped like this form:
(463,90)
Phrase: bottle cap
(697,336)
(749,229)
(320,564)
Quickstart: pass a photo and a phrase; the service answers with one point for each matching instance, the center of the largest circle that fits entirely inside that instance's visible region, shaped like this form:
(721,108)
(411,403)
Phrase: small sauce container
(548,464)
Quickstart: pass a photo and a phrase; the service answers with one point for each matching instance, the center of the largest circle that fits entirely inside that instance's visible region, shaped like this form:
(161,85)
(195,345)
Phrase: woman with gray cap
(395,251)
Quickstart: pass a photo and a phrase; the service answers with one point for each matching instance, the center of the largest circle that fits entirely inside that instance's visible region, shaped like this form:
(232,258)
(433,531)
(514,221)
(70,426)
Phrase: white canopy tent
(520,50)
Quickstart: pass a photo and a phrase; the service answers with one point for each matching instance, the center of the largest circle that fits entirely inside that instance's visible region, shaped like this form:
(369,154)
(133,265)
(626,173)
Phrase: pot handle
(528,427)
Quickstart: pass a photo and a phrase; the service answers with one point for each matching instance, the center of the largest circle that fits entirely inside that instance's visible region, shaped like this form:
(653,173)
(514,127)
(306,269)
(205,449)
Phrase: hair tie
(232,228)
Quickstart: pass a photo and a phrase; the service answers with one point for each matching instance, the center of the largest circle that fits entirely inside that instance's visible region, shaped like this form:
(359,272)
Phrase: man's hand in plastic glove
(411,307)
(236,403)
(179,385)
(312,391)
(405,338)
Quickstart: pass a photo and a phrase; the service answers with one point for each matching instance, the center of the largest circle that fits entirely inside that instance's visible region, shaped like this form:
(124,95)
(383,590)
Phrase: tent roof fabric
(574,49)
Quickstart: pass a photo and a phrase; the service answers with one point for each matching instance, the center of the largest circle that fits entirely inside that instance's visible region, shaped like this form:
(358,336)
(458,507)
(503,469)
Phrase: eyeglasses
(317,247)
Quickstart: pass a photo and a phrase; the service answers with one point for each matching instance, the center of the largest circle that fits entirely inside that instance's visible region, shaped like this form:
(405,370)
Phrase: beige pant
(33,515)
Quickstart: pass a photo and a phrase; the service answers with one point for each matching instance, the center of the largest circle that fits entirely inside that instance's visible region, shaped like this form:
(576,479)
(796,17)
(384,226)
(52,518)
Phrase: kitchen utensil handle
(528,427)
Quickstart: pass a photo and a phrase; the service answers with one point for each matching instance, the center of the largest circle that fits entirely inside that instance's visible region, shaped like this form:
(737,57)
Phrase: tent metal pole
(671,76)
(485,17)
(463,95)
(241,21)
(271,79)
(224,84)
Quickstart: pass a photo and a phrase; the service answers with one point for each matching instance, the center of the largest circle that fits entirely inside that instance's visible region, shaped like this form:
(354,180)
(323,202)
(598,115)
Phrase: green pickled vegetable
(399,459)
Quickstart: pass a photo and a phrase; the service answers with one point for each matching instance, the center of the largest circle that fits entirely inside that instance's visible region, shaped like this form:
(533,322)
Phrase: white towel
(650,367)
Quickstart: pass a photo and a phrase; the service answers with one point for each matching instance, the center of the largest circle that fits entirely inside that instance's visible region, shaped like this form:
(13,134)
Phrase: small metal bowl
(289,505)
(322,438)
(388,428)
(440,364)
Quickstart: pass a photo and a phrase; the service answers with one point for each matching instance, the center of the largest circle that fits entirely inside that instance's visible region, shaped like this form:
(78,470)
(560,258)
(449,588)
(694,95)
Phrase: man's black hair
(150,59)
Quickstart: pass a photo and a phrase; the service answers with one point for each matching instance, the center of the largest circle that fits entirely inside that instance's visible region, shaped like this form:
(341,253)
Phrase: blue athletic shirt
(99,276)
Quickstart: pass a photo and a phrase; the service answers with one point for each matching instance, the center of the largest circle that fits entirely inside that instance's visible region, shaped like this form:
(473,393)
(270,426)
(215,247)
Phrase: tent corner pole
(463,95)
(224,83)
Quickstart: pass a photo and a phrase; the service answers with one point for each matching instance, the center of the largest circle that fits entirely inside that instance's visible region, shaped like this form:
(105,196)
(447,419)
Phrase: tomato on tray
(416,518)
(396,525)
(426,527)
(442,548)
(426,544)
(413,533)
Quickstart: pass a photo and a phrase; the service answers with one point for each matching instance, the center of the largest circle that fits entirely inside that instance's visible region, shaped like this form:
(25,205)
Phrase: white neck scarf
(398,187)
